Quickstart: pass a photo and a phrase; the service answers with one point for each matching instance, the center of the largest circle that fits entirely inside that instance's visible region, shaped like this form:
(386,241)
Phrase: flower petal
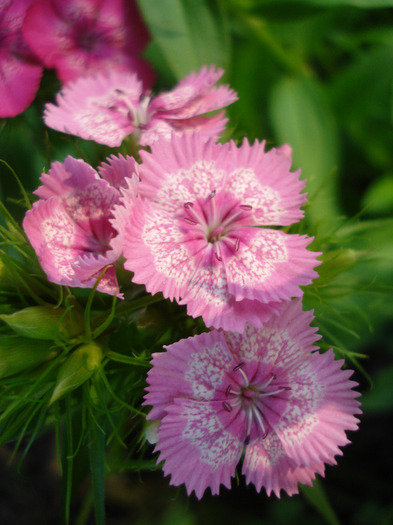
(96,107)
(267,465)
(270,265)
(320,407)
(196,447)
(192,367)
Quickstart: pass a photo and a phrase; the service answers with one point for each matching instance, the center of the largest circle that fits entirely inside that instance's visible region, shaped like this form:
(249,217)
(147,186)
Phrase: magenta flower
(80,37)
(20,71)
(194,236)
(265,390)
(107,107)
(71,228)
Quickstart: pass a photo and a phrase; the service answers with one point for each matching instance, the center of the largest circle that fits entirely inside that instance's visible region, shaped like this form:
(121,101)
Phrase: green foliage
(316,74)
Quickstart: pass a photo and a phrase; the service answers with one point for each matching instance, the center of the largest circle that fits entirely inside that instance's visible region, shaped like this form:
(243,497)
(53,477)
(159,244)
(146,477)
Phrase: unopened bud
(18,354)
(43,322)
(78,367)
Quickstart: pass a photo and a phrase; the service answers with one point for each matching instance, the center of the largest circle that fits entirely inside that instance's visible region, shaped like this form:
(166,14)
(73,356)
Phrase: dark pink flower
(202,232)
(266,391)
(71,228)
(107,107)
(80,37)
(20,71)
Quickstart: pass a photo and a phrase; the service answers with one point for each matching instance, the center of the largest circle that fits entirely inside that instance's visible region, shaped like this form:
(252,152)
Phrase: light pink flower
(71,228)
(80,37)
(265,390)
(107,107)
(194,236)
(20,71)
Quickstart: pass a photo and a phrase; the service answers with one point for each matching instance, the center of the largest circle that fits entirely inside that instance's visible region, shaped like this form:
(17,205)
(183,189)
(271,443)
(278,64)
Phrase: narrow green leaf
(187,34)
(96,446)
(316,495)
(302,118)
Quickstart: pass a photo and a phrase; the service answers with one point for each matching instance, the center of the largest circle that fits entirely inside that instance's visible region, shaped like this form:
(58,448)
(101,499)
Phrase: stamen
(212,194)
(266,384)
(190,221)
(258,417)
(247,440)
(119,91)
(218,252)
(237,367)
(237,244)
(228,390)
(188,205)
(230,218)
(227,406)
(283,389)
(245,378)
(245,207)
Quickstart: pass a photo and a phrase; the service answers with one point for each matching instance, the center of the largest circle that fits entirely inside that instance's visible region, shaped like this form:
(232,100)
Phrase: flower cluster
(201,222)
(76,38)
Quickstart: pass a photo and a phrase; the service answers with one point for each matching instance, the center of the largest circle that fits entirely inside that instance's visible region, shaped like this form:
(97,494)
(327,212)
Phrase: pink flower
(79,37)
(20,72)
(265,390)
(70,227)
(107,107)
(194,235)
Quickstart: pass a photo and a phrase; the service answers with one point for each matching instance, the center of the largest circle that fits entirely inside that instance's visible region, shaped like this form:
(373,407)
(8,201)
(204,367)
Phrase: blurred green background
(317,74)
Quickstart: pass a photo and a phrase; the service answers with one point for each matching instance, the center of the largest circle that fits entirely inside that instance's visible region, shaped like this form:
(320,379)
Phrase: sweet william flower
(265,392)
(201,233)
(70,226)
(20,70)
(107,107)
(78,37)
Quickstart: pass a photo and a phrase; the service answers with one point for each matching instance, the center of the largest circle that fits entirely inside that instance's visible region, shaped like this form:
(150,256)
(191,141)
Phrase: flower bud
(18,354)
(43,322)
(78,367)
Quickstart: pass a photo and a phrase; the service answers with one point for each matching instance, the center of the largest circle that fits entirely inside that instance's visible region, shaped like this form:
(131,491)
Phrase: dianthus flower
(20,71)
(194,234)
(78,37)
(107,107)
(70,226)
(266,391)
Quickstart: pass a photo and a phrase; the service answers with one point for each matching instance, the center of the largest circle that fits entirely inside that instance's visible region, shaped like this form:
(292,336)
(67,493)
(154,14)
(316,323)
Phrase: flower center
(138,114)
(217,219)
(250,398)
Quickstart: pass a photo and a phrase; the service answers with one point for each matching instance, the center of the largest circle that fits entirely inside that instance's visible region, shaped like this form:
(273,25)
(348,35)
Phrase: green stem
(128,307)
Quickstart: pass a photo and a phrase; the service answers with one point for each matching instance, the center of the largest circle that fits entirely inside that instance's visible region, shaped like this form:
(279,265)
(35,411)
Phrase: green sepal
(18,354)
(78,367)
(43,322)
